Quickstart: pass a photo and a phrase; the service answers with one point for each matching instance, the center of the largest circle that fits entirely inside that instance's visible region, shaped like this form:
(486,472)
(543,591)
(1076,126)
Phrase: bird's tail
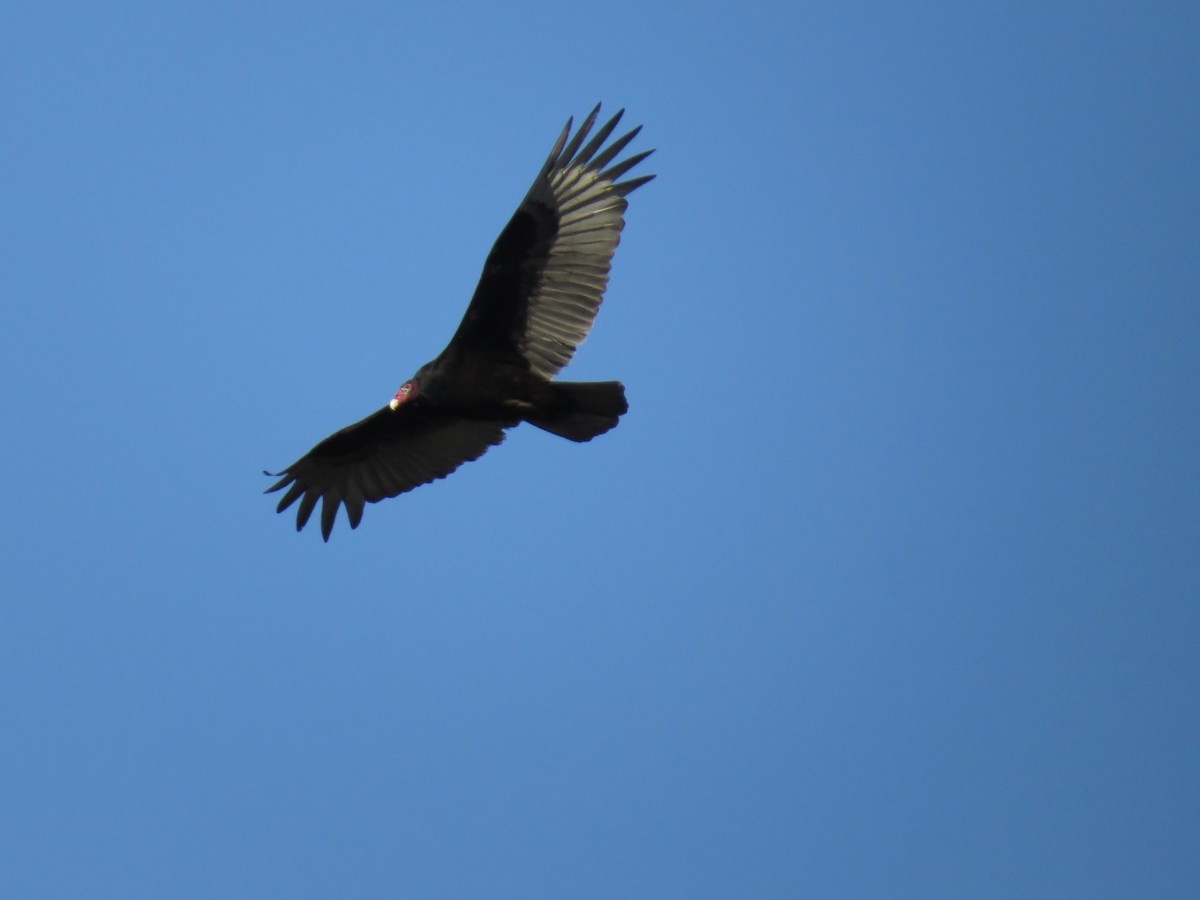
(582,409)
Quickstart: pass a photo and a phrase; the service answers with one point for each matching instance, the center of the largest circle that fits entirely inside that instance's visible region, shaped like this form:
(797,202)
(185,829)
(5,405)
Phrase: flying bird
(536,300)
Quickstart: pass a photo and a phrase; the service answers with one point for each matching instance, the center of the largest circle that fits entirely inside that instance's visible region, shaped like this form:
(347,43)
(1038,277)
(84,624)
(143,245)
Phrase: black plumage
(537,297)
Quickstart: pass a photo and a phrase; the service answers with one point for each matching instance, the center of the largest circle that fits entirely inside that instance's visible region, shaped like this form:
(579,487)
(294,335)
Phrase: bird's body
(539,292)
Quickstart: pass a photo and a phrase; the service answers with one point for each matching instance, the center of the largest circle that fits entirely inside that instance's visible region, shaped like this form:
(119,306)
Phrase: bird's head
(408,391)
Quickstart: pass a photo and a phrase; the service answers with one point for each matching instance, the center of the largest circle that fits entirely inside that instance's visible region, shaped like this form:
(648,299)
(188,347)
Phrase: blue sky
(886,586)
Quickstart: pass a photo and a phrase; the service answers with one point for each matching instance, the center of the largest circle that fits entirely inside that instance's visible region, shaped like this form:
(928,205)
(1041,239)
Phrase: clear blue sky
(886,586)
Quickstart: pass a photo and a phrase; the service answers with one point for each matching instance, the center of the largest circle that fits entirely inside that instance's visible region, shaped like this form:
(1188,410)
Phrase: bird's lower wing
(385,454)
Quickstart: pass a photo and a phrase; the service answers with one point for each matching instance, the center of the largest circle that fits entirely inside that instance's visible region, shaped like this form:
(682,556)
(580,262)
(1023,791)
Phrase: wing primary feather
(624,166)
(287,478)
(569,152)
(614,148)
(353,501)
(290,497)
(329,508)
(601,136)
(628,187)
(304,510)
(558,145)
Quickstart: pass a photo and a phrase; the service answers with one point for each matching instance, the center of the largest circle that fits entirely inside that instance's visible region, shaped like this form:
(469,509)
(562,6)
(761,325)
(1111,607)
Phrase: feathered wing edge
(375,468)
(580,183)
(564,155)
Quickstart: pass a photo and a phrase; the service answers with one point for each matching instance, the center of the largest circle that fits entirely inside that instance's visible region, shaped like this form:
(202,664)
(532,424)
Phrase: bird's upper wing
(387,453)
(545,277)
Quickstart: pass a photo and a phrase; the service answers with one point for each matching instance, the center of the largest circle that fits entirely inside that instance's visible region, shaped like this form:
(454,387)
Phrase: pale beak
(395,404)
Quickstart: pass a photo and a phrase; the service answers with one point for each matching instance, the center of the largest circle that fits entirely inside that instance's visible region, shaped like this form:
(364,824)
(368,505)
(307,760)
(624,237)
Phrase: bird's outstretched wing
(544,279)
(387,453)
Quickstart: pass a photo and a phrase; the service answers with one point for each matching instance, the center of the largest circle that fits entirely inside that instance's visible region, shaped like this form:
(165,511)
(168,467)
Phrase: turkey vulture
(535,302)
